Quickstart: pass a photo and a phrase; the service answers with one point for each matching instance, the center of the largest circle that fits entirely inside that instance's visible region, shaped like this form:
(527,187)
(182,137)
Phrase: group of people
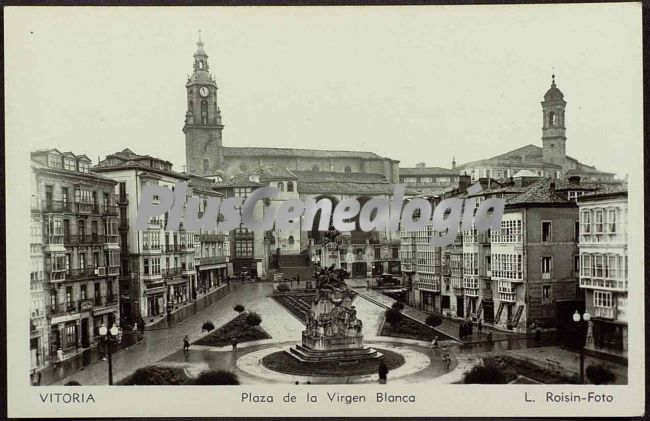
(466,329)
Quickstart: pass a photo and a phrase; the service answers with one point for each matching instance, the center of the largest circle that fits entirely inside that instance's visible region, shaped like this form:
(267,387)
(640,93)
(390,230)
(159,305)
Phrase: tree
(484,375)
(398,306)
(433,320)
(220,377)
(283,287)
(207,326)
(253,319)
(154,375)
(239,308)
(597,374)
(393,316)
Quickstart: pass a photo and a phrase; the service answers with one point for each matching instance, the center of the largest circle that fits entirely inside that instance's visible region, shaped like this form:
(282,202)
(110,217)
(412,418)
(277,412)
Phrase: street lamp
(577,318)
(108,337)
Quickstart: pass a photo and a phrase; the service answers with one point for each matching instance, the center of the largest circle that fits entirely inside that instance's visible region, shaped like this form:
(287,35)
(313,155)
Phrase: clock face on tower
(204,91)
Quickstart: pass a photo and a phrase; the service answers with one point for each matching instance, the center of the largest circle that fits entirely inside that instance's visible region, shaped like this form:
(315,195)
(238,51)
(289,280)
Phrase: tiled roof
(606,190)
(328,176)
(427,171)
(274,172)
(337,187)
(104,167)
(239,180)
(538,193)
(294,152)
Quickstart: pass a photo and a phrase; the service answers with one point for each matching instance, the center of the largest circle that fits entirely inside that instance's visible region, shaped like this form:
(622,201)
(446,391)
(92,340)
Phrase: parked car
(386,279)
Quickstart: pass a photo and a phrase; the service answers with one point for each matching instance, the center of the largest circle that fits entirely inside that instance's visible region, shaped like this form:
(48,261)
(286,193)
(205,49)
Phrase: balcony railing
(57,206)
(105,301)
(171,248)
(605,312)
(171,272)
(60,309)
(428,285)
(88,272)
(204,238)
(508,297)
(211,260)
(109,210)
(80,239)
(471,292)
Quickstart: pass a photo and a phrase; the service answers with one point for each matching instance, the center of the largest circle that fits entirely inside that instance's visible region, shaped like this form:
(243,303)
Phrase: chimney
(420,165)
(463,182)
(575,180)
(551,187)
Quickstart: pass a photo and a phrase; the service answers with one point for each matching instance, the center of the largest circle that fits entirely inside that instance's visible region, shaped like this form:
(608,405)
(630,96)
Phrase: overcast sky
(414,84)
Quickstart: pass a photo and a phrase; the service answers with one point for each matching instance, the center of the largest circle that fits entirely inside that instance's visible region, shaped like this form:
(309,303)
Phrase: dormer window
(54,161)
(84,166)
(70,164)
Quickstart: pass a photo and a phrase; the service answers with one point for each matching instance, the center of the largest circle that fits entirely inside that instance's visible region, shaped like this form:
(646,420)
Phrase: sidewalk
(449,326)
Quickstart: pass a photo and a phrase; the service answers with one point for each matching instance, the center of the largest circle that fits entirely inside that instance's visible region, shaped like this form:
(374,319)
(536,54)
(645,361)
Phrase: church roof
(339,187)
(427,171)
(249,151)
(330,176)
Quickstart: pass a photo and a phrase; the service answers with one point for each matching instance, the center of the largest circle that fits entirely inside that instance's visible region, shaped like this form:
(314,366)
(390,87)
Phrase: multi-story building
(603,267)
(211,248)
(159,264)
(75,211)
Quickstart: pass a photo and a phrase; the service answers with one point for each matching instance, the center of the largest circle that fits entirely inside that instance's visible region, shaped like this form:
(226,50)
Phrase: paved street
(165,344)
(158,344)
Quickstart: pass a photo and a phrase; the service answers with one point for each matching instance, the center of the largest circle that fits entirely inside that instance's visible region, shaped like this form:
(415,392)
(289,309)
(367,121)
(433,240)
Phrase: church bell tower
(203,128)
(553,129)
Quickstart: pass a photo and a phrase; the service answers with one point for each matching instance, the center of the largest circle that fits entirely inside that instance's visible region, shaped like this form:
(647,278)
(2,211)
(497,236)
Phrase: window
(598,266)
(551,119)
(147,269)
(585,222)
(585,265)
(281,186)
(290,186)
(204,112)
(206,165)
(573,195)
(546,231)
(546,292)
(84,166)
(71,335)
(602,299)
(611,221)
(82,260)
(598,221)
(348,169)
(84,293)
(54,161)
(576,264)
(291,240)
(155,266)
(546,265)
(70,164)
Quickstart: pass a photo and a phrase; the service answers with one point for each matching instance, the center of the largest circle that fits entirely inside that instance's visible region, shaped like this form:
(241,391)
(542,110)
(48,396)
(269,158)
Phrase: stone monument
(333,331)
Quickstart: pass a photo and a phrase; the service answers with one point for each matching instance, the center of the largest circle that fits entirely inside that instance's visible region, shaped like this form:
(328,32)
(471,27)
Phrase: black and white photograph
(141,147)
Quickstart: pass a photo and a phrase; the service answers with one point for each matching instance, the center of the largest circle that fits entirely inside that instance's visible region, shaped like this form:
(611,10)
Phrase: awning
(176,281)
(157,290)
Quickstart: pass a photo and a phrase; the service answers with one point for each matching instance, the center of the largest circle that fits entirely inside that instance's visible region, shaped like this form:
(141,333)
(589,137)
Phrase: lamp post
(577,318)
(108,337)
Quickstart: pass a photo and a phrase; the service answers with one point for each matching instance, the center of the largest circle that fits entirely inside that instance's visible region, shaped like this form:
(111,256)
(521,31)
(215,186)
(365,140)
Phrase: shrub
(73,383)
(597,374)
(397,306)
(393,316)
(433,320)
(238,308)
(153,375)
(207,326)
(484,375)
(283,287)
(220,377)
(253,319)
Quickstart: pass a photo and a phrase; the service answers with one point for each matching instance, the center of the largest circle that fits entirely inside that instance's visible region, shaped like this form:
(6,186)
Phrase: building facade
(604,267)
(159,265)
(75,213)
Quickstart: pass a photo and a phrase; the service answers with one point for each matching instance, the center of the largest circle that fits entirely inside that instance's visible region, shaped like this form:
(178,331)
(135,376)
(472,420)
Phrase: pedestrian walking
(538,334)
(186,343)
(480,326)
(383,372)
(59,356)
(434,342)
(298,280)
(461,330)
(470,328)
(233,341)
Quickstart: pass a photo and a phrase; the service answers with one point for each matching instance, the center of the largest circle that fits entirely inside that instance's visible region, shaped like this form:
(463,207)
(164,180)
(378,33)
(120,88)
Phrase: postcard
(325,211)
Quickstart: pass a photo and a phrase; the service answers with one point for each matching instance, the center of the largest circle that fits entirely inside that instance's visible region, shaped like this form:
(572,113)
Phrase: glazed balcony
(206,238)
(84,239)
(619,285)
(609,313)
(168,273)
(213,260)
